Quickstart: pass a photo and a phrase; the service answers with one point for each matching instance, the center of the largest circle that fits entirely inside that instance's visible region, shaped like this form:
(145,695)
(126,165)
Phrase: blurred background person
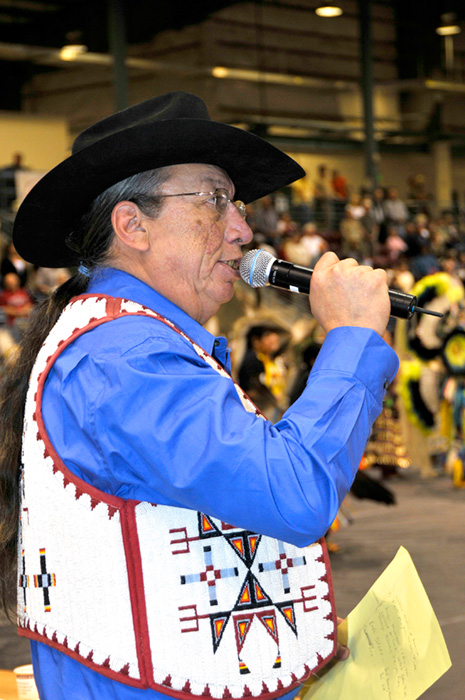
(266,219)
(395,209)
(379,213)
(262,372)
(47,279)
(314,243)
(321,198)
(13,262)
(16,304)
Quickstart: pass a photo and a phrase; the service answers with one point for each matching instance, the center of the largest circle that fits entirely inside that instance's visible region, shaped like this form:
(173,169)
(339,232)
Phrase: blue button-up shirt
(133,410)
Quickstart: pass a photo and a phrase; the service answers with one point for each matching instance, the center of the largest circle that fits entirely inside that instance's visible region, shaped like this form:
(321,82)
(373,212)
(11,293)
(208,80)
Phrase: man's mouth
(232,263)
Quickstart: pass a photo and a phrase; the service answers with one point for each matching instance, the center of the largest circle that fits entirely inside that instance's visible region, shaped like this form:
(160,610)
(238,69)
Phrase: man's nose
(237,228)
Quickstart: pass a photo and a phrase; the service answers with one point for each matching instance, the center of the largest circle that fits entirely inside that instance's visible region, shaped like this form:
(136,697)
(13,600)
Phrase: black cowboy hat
(165,130)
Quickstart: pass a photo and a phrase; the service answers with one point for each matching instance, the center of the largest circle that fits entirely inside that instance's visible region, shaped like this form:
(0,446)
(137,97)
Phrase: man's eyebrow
(218,182)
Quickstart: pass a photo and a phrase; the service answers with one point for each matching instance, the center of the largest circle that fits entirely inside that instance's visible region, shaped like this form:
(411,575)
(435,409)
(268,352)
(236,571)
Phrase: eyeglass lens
(222,201)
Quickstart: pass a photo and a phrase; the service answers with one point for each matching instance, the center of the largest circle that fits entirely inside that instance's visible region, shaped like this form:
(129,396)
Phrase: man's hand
(344,293)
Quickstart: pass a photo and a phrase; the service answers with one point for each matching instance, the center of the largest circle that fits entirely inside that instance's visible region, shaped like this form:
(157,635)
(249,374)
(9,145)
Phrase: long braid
(91,241)
(12,399)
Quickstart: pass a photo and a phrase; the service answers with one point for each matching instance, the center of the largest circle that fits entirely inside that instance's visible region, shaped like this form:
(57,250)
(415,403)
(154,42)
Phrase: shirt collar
(117,283)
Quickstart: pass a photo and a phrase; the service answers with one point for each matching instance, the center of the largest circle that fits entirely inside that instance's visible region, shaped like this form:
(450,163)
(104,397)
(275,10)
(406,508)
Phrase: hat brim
(53,208)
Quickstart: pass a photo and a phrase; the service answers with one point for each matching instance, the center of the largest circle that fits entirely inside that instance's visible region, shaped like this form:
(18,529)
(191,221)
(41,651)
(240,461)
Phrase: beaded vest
(156,596)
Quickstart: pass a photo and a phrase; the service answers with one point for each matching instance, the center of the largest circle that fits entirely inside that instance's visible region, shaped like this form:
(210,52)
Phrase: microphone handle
(297,279)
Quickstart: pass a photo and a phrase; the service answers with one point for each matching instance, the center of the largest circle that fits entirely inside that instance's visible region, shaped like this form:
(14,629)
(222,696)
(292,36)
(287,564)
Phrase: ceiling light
(448,30)
(71,51)
(449,25)
(327,10)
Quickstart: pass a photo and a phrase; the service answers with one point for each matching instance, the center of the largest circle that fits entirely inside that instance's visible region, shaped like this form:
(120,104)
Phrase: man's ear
(129,225)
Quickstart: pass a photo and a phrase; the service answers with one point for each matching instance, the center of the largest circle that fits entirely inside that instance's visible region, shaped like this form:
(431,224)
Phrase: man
(321,203)
(161,516)
(15,301)
(266,221)
(8,181)
(396,210)
(262,372)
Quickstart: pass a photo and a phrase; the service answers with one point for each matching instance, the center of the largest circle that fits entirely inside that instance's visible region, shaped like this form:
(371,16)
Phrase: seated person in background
(394,246)
(396,209)
(339,185)
(47,279)
(294,250)
(266,219)
(314,244)
(353,237)
(12,262)
(15,302)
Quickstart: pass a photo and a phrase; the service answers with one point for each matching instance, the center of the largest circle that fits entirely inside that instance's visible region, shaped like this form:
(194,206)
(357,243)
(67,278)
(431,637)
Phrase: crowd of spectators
(21,287)
(417,245)
(299,224)
(379,228)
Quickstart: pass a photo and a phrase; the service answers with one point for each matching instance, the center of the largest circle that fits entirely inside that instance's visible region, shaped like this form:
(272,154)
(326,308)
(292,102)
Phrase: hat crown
(172,105)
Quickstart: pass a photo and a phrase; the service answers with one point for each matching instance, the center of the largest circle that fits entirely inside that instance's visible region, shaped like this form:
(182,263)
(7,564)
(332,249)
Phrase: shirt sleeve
(153,422)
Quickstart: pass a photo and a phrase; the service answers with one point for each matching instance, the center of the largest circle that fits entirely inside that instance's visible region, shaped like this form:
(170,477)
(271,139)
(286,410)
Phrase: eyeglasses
(219,198)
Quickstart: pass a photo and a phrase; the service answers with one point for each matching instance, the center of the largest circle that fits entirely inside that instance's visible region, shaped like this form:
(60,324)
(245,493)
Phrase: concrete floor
(429,521)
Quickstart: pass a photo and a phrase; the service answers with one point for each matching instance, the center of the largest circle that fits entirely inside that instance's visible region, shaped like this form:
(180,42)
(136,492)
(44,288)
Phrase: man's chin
(231,291)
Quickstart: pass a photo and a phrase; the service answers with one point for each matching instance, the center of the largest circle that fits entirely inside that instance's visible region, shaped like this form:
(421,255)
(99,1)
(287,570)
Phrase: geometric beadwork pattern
(44,580)
(253,601)
(242,613)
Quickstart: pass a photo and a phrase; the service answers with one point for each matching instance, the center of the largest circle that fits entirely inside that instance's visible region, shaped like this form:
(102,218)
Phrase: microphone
(259,268)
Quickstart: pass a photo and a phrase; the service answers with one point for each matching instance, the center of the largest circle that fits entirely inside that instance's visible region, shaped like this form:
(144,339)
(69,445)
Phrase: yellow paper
(397,649)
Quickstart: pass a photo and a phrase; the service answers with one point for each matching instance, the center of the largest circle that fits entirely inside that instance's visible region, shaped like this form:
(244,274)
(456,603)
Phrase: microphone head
(254,267)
